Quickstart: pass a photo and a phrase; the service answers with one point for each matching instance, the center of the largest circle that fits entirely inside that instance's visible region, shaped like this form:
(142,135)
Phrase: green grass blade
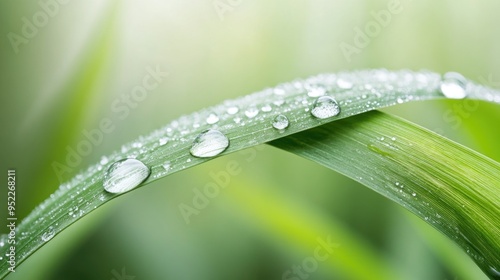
(355,92)
(453,188)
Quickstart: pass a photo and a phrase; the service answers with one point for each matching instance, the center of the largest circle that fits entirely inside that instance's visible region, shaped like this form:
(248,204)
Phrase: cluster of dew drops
(126,174)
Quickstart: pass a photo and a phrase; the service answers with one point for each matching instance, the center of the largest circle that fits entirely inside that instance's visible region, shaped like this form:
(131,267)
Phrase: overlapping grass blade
(453,188)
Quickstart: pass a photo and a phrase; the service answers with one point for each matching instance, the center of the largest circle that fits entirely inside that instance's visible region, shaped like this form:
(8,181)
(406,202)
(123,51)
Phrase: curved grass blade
(246,121)
(451,187)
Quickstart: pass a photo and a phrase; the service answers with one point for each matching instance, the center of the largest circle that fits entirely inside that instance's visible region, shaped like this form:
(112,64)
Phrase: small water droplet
(209,143)
(124,175)
(167,165)
(279,102)
(400,100)
(279,91)
(315,91)
(454,85)
(46,236)
(163,141)
(280,122)
(251,112)
(266,108)
(103,160)
(325,107)
(344,84)
(237,120)
(137,145)
(212,118)
(414,194)
(232,110)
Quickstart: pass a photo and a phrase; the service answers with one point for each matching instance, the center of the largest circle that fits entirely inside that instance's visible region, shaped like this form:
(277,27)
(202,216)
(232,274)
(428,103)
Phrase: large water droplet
(454,85)
(280,122)
(124,175)
(209,143)
(46,236)
(325,107)
(212,118)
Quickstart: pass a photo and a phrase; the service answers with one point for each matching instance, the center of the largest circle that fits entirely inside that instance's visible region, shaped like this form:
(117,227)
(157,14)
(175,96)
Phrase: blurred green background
(62,75)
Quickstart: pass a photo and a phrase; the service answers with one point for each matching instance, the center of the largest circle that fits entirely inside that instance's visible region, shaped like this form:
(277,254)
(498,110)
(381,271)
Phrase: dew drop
(163,141)
(315,91)
(103,160)
(167,165)
(280,122)
(209,143)
(414,194)
(266,108)
(124,175)
(46,236)
(279,91)
(251,112)
(237,120)
(454,85)
(232,110)
(400,100)
(325,107)
(212,118)
(344,84)
(279,102)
